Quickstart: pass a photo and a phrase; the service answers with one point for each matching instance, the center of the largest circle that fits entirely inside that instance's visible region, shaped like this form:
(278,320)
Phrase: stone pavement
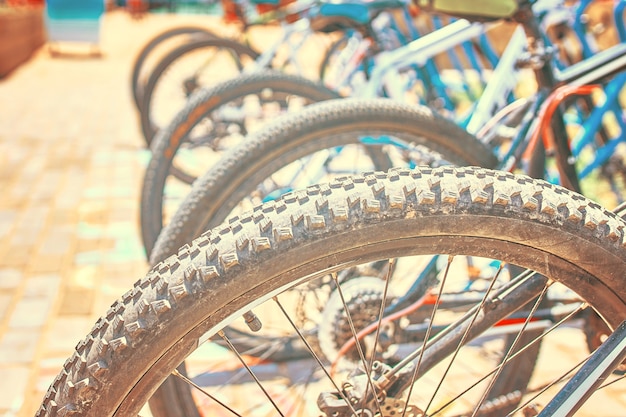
(71,165)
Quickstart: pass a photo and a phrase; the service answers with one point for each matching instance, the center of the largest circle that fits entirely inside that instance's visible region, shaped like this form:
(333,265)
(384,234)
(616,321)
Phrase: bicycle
(217,193)
(414,133)
(185,137)
(324,229)
(193,63)
(371,25)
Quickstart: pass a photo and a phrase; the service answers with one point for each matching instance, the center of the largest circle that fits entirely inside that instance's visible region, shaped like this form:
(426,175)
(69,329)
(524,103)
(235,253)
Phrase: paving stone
(5,303)
(93,212)
(30,313)
(13,385)
(16,256)
(94,257)
(7,218)
(58,240)
(42,287)
(47,264)
(87,245)
(76,301)
(86,276)
(64,215)
(10,278)
(29,225)
(18,346)
(45,189)
(65,332)
(26,236)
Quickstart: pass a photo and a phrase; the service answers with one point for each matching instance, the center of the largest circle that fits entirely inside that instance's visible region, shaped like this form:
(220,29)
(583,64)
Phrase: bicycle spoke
(242,372)
(291,392)
(522,291)
(428,331)
(515,355)
(252,374)
(465,335)
(358,345)
(312,352)
(551,384)
(510,350)
(196,386)
(612,382)
(381,310)
(300,405)
(208,60)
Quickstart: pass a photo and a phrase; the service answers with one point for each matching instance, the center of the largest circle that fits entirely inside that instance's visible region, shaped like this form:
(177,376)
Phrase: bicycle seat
(480,10)
(359,11)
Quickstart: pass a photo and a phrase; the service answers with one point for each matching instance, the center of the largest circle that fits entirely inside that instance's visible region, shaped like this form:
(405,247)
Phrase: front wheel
(181,309)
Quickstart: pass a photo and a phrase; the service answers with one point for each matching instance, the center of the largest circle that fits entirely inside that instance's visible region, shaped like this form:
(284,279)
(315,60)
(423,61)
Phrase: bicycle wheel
(420,136)
(202,62)
(235,268)
(160,42)
(214,120)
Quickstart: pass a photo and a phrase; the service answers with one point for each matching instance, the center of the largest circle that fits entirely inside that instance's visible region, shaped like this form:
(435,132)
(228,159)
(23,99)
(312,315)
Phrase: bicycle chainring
(362,296)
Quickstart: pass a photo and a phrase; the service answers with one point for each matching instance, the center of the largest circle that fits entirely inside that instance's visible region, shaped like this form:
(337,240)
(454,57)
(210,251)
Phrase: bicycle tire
(142,56)
(151,328)
(168,142)
(148,126)
(269,150)
(317,127)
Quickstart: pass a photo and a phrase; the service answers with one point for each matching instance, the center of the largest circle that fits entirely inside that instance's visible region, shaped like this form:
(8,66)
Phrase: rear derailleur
(378,394)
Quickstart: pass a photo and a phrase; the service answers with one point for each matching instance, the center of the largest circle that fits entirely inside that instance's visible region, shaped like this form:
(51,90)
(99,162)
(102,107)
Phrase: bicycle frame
(590,376)
(293,35)
(502,84)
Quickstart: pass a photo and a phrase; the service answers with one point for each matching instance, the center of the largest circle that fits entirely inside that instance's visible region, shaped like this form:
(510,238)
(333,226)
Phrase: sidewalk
(71,164)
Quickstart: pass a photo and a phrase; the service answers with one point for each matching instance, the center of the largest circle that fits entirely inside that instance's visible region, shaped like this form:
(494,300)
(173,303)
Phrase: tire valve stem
(252,321)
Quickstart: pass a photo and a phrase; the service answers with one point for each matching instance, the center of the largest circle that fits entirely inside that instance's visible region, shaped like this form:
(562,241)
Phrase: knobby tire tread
(164,151)
(151,328)
(213,195)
